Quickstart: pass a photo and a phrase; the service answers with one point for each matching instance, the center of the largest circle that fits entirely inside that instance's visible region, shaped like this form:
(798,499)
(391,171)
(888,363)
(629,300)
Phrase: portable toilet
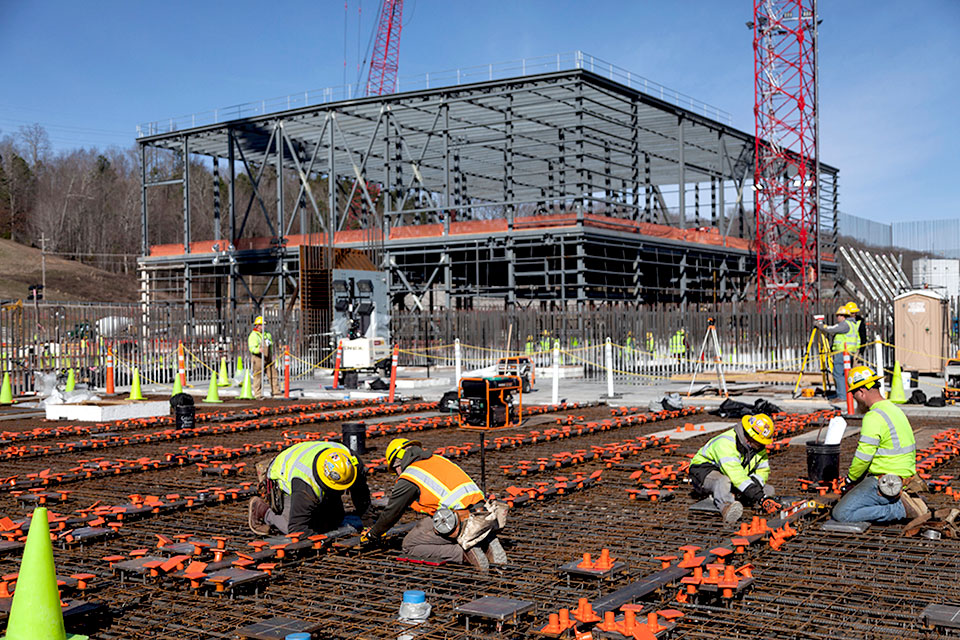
(921,323)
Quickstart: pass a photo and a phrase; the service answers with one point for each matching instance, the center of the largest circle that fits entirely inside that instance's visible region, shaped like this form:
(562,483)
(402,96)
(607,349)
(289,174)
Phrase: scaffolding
(571,186)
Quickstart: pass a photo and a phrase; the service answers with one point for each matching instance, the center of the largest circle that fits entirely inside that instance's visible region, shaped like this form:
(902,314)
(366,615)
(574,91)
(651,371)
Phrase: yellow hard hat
(759,427)
(395,450)
(861,377)
(852,308)
(336,468)
(258,320)
(843,311)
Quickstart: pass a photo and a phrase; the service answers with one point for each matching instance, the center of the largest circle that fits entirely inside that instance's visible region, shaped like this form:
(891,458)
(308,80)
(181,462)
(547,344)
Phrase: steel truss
(580,177)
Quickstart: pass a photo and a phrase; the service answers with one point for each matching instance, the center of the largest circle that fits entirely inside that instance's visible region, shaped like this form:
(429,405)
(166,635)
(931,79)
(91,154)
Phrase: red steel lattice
(786,168)
(386,50)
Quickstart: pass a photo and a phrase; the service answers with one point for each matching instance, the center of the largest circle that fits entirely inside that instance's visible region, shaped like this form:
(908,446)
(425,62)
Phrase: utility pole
(43,260)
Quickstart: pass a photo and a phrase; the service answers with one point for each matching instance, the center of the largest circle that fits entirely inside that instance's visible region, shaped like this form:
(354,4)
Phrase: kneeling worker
(305,485)
(885,462)
(734,465)
(461,526)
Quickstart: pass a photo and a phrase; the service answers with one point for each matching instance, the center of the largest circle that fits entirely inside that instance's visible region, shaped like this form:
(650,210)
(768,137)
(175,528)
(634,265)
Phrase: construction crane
(787,170)
(386,49)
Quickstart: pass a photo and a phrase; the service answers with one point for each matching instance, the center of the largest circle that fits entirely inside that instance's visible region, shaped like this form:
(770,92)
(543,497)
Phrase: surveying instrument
(823,352)
(710,337)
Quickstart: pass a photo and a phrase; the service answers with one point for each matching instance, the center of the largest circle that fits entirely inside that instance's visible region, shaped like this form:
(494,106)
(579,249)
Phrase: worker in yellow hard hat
(854,312)
(735,465)
(304,485)
(885,464)
(260,344)
(846,336)
(460,526)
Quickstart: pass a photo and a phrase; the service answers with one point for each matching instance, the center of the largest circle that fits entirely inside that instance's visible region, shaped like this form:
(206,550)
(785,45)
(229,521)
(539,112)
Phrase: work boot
(255,513)
(913,505)
(732,512)
(495,553)
(475,558)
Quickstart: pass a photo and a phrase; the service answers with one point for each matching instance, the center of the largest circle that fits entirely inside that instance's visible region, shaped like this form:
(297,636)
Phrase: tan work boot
(495,553)
(476,559)
(256,511)
(913,505)
(732,512)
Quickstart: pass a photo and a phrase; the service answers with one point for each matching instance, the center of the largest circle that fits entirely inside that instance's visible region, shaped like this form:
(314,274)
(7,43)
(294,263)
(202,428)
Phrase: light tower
(786,169)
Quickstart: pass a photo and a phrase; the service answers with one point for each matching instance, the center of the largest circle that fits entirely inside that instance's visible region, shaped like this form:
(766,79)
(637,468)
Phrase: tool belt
(272,493)
(915,484)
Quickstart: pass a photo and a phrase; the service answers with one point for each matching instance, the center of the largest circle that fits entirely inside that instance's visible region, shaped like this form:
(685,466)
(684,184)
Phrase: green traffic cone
(239,370)
(71,381)
(35,611)
(135,389)
(224,379)
(246,392)
(6,392)
(896,394)
(177,387)
(213,395)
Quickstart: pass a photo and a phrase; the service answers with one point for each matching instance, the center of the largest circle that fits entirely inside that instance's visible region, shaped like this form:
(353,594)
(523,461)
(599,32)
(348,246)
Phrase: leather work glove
(753,494)
(846,485)
(771,506)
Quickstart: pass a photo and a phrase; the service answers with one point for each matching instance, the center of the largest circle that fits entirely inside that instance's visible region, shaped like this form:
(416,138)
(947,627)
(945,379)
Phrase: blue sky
(90,72)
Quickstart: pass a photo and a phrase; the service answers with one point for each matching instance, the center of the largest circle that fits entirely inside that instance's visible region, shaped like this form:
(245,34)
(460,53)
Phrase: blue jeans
(838,379)
(864,503)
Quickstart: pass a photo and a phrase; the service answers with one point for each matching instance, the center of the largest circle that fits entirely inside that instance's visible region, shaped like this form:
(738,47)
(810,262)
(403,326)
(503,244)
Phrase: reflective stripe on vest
(298,462)
(676,344)
(887,460)
(441,484)
(851,338)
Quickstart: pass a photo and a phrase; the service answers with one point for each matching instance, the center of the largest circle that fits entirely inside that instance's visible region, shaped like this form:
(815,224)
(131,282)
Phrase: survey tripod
(826,363)
(710,337)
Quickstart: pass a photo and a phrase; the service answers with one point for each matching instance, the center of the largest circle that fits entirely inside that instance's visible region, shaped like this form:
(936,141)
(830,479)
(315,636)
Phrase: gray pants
(721,489)
(424,542)
(280,520)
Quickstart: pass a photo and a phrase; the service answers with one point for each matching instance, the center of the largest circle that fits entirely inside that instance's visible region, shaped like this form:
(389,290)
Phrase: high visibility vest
(722,452)
(851,338)
(298,461)
(629,343)
(677,345)
(544,344)
(529,346)
(887,443)
(254,340)
(441,484)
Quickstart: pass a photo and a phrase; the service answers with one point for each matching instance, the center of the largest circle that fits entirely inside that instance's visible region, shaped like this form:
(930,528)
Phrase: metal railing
(446,78)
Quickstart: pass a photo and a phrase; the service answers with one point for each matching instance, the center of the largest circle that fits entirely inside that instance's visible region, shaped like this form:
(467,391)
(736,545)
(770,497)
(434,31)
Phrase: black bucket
(823,461)
(355,437)
(184,416)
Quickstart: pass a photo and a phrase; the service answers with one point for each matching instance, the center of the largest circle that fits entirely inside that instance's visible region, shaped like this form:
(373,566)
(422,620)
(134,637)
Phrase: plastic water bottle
(415,608)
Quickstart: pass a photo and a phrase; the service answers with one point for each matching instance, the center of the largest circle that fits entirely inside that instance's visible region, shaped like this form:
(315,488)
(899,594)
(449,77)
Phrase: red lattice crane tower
(386,49)
(786,169)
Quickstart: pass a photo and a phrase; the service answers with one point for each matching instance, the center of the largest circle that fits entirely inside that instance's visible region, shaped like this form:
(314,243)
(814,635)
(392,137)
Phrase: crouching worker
(733,468)
(461,526)
(885,464)
(304,485)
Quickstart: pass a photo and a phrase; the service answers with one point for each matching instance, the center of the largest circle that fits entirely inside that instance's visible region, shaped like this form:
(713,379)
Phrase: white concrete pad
(709,427)
(108,411)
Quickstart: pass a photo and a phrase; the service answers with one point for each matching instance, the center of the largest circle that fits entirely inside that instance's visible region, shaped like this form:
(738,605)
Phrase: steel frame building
(566,186)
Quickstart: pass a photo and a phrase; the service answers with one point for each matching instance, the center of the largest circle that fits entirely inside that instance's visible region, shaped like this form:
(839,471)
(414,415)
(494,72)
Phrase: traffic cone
(239,370)
(246,392)
(71,381)
(224,379)
(177,387)
(35,611)
(135,389)
(896,386)
(213,395)
(6,392)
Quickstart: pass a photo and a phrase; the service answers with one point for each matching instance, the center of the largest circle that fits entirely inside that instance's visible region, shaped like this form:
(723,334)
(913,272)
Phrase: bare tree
(36,141)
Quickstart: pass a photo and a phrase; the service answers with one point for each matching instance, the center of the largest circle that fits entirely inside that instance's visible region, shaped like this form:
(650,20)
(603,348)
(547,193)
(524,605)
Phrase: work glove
(845,485)
(753,494)
(366,539)
(770,506)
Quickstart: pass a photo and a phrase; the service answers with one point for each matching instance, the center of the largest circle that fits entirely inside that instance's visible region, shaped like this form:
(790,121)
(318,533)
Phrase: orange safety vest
(441,484)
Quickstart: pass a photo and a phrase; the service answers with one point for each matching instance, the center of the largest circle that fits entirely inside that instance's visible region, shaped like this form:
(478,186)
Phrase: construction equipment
(519,367)
(367,354)
(826,364)
(487,403)
(951,379)
(711,336)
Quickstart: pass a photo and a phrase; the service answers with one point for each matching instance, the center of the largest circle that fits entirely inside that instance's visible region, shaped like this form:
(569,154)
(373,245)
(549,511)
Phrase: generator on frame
(489,403)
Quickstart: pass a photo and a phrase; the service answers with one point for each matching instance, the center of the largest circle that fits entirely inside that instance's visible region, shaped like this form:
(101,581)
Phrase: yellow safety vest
(298,462)
(850,339)
(254,340)
(722,452)
(887,443)
(676,344)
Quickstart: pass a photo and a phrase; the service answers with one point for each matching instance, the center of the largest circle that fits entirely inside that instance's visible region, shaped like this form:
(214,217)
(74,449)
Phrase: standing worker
(854,312)
(678,344)
(304,485)
(460,526)
(736,462)
(259,343)
(846,335)
(885,463)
